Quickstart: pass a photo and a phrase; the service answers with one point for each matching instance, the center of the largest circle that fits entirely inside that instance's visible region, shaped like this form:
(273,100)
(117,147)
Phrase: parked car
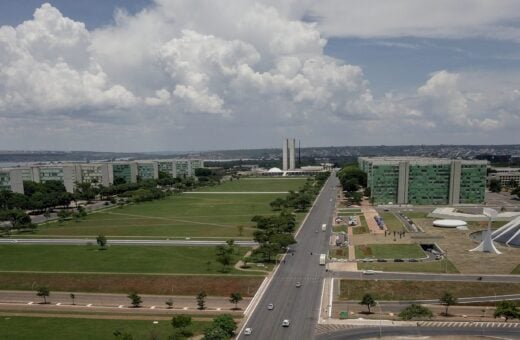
(398,260)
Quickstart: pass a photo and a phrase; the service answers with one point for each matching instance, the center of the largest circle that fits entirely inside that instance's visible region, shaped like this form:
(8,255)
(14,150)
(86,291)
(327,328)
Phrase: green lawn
(186,215)
(389,251)
(117,259)
(421,290)
(258,184)
(516,270)
(416,214)
(36,328)
(392,222)
(415,267)
(341,253)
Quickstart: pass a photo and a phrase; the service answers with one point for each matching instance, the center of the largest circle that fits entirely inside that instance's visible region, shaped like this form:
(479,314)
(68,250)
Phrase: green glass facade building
(424,181)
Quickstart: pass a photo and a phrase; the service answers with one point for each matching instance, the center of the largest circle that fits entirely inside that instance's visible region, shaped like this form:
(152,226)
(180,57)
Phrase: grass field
(421,290)
(389,251)
(392,223)
(415,267)
(38,328)
(416,214)
(258,184)
(516,270)
(213,285)
(117,259)
(341,253)
(187,215)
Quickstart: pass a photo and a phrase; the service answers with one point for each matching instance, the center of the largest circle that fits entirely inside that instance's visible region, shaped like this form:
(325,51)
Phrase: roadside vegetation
(441,266)
(422,290)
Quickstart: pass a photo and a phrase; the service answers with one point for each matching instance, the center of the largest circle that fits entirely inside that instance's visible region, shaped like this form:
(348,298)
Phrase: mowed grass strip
(422,290)
(392,222)
(116,259)
(200,215)
(124,283)
(389,251)
(258,185)
(516,270)
(442,266)
(39,328)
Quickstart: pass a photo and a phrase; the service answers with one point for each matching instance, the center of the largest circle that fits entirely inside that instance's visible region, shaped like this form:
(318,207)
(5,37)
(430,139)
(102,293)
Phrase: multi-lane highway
(298,305)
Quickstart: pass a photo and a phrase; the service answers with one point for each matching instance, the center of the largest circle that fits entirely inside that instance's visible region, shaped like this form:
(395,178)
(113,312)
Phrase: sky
(177,75)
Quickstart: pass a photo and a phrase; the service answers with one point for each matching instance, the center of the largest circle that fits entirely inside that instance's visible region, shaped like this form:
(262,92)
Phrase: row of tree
(506,309)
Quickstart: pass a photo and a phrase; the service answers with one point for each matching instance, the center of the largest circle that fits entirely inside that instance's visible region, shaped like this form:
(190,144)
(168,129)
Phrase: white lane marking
(330,297)
(218,308)
(120,306)
(185,308)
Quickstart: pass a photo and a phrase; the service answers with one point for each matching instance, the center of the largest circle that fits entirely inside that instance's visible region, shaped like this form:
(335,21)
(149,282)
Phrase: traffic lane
(426,277)
(290,302)
(116,300)
(373,332)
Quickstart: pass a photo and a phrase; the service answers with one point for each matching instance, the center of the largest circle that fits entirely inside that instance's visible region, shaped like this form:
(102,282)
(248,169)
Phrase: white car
(248,331)
(270,306)
(286,323)
(298,284)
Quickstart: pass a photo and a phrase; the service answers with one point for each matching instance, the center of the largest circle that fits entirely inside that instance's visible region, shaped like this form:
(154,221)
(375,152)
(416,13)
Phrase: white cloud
(419,18)
(221,68)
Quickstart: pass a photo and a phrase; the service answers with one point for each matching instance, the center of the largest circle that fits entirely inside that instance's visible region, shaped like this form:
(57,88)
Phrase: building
(505,176)
(289,154)
(96,173)
(415,180)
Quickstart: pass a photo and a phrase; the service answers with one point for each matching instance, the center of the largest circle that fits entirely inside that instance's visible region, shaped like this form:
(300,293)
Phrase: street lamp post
(380,321)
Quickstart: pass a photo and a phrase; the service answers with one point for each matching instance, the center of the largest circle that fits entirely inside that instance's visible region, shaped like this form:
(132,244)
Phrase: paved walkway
(369,212)
(351,247)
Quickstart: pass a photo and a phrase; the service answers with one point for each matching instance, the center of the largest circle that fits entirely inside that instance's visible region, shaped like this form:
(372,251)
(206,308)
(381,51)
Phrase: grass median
(40,328)
(389,251)
(116,259)
(422,290)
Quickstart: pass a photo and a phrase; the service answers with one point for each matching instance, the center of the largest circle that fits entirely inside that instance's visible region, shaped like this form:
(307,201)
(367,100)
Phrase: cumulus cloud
(212,65)
(419,18)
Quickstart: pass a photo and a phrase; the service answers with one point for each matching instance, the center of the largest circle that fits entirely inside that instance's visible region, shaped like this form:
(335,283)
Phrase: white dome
(275,170)
(449,223)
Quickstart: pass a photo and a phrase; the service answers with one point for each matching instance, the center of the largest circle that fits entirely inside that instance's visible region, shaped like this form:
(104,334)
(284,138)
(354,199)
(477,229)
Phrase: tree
(63,215)
(368,300)
(135,300)
(415,311)
(102,242)
(351,185)
(447,299)
(495,185)
(226,323)
(235,298)
(43,292)
(215,333)
(201,300)
(73,298)
(507,310)
(180,323)
(123,335)
(277,204)
(169,303)
(512,184)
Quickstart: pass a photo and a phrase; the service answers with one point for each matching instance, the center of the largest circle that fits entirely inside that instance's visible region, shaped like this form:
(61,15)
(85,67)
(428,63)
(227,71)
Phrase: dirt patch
(144,284)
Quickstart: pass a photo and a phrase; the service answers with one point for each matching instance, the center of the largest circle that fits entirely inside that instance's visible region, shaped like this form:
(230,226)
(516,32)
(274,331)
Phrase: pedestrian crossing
(467,324)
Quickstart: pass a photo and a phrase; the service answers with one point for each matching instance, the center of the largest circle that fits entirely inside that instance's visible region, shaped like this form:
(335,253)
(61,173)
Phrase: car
(398,260)
(413,260)
(248,331)
(369,272)
(298,284)
(286,323)
(270,306)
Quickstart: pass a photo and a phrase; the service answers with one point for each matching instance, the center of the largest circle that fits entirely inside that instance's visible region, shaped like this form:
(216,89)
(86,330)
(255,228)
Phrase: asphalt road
(373,332)
(111,242)
(427,277)
(299,305)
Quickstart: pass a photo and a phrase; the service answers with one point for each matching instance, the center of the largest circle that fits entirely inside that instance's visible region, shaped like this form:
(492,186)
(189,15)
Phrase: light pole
(380,316)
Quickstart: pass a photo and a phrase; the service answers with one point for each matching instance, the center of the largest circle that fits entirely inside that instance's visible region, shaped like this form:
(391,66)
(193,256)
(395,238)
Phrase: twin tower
(288,154)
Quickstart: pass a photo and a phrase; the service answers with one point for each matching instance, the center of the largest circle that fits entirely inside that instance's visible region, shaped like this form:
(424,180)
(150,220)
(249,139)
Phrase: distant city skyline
(150,75)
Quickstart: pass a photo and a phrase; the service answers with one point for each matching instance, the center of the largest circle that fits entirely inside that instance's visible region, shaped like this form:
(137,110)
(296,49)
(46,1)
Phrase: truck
(323,227)
(323,258)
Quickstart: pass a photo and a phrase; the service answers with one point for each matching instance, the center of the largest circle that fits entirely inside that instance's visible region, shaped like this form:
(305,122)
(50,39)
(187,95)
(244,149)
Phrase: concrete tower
(289,154)
(487,245)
